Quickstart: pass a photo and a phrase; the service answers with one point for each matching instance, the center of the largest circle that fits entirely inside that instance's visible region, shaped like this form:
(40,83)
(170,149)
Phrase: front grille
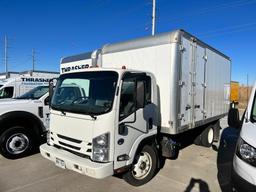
(69,139)
(70,146)
(75,153)
(73,145)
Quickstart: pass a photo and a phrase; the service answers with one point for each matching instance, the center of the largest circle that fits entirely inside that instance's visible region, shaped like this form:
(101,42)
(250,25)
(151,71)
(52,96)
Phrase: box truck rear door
(185,115)
(199,83)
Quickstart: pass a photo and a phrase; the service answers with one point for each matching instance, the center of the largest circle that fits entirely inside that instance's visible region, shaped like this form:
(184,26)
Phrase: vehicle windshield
(89,93)
(253,116)
(35,93)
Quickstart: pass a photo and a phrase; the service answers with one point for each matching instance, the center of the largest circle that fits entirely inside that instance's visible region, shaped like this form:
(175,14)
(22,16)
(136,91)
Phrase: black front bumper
(240,184)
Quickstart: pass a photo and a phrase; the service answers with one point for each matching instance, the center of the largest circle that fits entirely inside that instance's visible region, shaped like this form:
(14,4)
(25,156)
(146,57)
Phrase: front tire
(144,168)
(16,142)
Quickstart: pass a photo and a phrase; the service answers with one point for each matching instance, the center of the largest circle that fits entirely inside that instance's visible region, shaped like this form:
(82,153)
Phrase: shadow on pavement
(226,152)
(203,186)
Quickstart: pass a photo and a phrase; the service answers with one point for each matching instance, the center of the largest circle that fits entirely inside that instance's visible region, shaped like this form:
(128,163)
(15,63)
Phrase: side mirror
(233,118)
(140,94)
(46,101)
(52,84)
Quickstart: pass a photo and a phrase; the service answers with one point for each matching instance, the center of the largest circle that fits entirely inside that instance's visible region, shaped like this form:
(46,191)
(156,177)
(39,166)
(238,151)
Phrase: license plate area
(60,163)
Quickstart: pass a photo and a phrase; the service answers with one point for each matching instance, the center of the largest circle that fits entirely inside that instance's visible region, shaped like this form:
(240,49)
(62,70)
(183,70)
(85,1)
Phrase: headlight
(100,148)
(246,152)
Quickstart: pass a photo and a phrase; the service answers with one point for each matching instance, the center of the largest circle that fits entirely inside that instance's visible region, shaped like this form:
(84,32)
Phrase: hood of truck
(248,133)
(14,101)
(10,105)
(75,132)
(73,126)
(19,102)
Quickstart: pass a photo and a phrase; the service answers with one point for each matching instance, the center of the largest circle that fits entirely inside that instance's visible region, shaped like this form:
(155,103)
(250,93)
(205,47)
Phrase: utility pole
(33,59)
(6,55)
(153,17)
(247,88)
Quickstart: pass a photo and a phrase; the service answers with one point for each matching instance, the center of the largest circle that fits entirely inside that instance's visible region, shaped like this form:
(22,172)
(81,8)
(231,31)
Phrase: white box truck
(244,161)
(16,85)
(134,103)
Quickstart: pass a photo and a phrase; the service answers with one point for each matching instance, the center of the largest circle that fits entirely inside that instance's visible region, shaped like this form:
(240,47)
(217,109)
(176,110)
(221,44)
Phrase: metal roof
(78,57)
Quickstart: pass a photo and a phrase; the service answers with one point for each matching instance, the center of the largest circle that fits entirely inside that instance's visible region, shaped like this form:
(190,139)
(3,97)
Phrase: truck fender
(23,118)
(142,139)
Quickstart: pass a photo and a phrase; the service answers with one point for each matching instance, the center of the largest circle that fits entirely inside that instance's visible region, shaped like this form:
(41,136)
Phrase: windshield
(89,93)
(253,116)
(35,93)
(6,92)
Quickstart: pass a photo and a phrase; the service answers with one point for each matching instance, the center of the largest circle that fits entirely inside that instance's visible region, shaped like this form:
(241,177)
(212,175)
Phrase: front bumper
(73,162)
(243,175)
(241,184)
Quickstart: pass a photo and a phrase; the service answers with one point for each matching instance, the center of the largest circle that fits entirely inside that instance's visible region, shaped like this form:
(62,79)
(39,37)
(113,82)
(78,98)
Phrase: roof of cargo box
(159,39)
(9,72)
(77,57)
(38,71)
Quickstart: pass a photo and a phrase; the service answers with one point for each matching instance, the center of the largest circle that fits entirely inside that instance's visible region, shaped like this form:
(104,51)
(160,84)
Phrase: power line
(228,30)
(211,10)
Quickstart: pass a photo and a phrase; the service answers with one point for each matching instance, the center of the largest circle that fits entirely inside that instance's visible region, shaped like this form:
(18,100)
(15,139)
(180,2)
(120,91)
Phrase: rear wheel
(16,142)
(144,167)
(207,137)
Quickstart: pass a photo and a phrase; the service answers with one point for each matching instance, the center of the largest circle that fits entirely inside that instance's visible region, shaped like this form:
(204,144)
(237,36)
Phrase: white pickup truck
(23,122)
(244,162)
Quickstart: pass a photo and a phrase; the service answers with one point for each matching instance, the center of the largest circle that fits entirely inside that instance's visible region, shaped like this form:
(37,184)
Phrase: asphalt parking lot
(197,169)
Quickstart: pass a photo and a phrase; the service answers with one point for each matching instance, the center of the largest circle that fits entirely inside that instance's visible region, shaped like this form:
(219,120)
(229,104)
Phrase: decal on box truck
(34,81)
(74,68)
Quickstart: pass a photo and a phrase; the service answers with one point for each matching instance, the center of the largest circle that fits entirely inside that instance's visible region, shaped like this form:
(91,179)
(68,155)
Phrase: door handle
(121,129)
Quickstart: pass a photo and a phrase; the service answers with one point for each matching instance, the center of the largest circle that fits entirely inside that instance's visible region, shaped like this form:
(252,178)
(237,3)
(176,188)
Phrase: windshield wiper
(59,108)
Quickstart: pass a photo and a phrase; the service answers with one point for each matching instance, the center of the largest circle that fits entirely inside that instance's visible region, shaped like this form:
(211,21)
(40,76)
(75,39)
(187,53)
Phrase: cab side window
(127,101)
(135,94)
(6,92)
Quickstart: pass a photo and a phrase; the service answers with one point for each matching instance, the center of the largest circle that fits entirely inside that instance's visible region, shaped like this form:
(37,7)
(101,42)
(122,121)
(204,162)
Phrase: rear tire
(144,167)
(207,136)
(16,142)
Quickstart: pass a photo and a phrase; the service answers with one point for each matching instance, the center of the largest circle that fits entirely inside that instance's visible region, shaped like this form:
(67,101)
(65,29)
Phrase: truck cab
(117,109)
(244,161)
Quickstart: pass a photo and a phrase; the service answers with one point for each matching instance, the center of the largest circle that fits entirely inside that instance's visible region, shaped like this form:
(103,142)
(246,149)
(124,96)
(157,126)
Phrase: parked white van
(244,162)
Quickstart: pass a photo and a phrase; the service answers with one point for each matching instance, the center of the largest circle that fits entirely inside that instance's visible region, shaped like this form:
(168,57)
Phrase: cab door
(135,114)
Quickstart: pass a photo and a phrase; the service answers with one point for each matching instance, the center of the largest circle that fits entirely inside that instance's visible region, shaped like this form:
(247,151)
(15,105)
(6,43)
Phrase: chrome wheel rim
(143,166)
(17,143)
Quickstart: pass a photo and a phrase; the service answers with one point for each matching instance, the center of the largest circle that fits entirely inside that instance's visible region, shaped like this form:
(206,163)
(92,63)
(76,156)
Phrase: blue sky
(57,28)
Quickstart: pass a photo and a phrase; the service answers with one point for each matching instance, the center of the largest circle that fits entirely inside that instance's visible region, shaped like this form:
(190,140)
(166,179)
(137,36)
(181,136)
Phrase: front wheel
(16,142)
(144,168)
